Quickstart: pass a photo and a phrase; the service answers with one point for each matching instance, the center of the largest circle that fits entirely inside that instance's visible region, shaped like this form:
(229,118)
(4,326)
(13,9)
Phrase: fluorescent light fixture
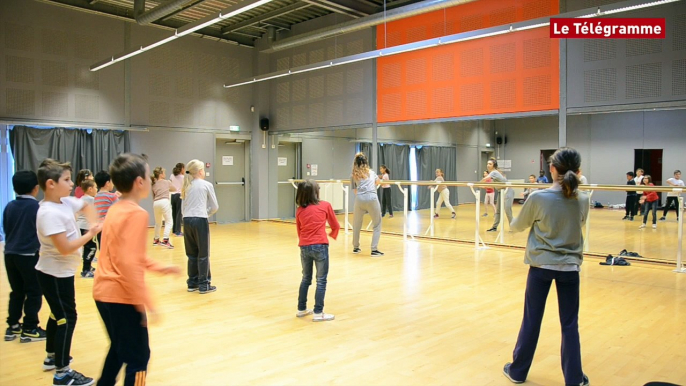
(638,6)
(186,30)
(234,128)
(539,25)
(460,37)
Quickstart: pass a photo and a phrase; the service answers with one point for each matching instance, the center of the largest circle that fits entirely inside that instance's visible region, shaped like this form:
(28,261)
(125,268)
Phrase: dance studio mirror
(461,151)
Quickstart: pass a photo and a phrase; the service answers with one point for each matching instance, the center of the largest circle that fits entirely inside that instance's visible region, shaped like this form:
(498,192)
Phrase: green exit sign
(234,128)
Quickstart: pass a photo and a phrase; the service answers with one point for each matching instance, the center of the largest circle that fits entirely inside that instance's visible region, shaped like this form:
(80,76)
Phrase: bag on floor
(612,260)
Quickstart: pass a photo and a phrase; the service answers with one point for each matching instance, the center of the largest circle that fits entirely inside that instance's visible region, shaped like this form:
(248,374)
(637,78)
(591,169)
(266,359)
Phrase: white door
(230,180)
(287,170)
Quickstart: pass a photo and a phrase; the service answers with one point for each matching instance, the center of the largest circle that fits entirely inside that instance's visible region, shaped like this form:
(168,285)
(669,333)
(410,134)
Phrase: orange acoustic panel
(514,72)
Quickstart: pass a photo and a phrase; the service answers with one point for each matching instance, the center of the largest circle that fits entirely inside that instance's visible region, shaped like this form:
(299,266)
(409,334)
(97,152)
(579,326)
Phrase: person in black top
(631,198)
(21,256)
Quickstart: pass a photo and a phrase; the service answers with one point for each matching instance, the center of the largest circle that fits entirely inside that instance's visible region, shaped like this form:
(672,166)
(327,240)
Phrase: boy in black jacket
(21,256)
(631,198)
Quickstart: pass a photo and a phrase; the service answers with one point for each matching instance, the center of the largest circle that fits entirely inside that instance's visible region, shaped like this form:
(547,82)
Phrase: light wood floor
(435,313)
(609,234)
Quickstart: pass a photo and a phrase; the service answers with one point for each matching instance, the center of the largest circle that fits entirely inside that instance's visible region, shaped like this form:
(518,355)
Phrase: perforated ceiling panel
(516,72)
(606,72)
(679,77)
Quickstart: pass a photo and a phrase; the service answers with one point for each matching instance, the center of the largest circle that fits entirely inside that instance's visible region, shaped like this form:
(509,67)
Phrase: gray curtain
(397,159)
(85,149)
(430,158)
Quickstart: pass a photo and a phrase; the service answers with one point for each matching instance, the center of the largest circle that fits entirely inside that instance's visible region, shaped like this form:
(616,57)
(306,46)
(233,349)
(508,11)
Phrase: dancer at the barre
(162,207)
(177,182)
(489,198)
(673,197)
(554,218)
(386,202)
(199,203)
(443,194)
(631,198)
(364,182)
(648,202)
(527,192)
(310,221)
(495,175)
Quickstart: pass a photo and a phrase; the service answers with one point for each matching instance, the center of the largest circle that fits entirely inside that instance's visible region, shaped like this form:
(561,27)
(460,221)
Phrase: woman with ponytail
(162,206)
(199,202)
(555,218)
(495,176)
(364,182)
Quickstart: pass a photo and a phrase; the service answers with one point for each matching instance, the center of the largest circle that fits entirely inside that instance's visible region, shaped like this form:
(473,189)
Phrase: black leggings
(386,202)
(668,206)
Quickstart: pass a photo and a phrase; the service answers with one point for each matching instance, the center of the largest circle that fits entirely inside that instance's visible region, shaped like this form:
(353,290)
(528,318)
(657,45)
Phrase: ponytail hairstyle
(646,177)
(156,174)
(193,168)
(360,167)
(494,162)
(386,170)
(83,174)
(178,168)
(567,162)
(441,172)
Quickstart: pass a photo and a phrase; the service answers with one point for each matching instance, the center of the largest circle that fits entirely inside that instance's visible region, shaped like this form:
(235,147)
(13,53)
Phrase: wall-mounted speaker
(499,140)
(264,124)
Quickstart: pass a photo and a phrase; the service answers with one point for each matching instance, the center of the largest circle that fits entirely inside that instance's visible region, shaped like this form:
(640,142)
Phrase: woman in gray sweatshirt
(554,250)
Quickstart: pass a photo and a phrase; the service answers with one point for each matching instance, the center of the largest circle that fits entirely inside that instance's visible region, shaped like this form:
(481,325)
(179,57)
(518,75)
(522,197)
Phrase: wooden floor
(608,233)
(428,312)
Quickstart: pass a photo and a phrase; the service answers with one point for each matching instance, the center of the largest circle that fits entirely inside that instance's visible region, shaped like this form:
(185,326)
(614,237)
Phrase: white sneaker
(642,226)
(300,314)
(322,317)
(654,226)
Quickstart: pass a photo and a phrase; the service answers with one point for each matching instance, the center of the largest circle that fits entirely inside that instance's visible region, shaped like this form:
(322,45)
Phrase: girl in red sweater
(649,201)
(310,219)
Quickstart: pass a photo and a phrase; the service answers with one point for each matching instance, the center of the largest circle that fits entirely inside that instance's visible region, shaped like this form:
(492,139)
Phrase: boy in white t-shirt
(60,255)
(673,197)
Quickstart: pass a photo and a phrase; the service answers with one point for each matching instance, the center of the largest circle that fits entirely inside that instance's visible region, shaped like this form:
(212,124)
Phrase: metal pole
(404,210)
(345,207)
(501,232)
(433,209)
(679,262)
(588,221)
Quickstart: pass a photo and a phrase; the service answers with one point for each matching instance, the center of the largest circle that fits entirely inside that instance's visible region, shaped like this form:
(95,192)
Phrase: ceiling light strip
(183,31)
(456,38)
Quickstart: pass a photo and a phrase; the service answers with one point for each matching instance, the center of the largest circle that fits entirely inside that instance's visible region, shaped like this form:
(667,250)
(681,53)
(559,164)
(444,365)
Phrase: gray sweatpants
(367,203)
(509,199)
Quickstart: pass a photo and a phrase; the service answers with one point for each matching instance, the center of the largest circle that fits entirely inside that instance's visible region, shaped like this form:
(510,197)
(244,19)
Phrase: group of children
(46,241)
(649,200)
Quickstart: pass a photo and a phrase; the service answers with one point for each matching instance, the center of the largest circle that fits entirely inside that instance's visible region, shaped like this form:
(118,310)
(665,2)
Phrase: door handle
(243,180)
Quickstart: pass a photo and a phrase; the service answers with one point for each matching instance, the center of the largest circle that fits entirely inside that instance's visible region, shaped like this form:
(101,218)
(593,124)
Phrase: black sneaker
(453,215)
(193,289)
(663,218)
(208,289)
(35,335)
(585,382)
(357,250)
(49,363)
(491,230)
(72,378)
(625,218)
(506,372)
(377,253)
(12,332)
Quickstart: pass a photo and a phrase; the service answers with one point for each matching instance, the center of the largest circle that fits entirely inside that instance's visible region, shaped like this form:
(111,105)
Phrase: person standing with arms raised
(554,251)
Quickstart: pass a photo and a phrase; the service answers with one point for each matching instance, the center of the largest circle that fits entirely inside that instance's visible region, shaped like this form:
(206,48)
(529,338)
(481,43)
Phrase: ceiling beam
(353,5)
(277,24)
(335,8)
(191,5)
(106,9)
(266,16)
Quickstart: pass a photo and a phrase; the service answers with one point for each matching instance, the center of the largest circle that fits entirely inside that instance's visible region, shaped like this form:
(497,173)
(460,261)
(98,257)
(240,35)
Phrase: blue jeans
(319,255)
(537,287)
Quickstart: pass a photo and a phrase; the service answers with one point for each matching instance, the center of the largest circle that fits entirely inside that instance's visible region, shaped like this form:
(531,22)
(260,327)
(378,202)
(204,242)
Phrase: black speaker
(499,140)
(264,124)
